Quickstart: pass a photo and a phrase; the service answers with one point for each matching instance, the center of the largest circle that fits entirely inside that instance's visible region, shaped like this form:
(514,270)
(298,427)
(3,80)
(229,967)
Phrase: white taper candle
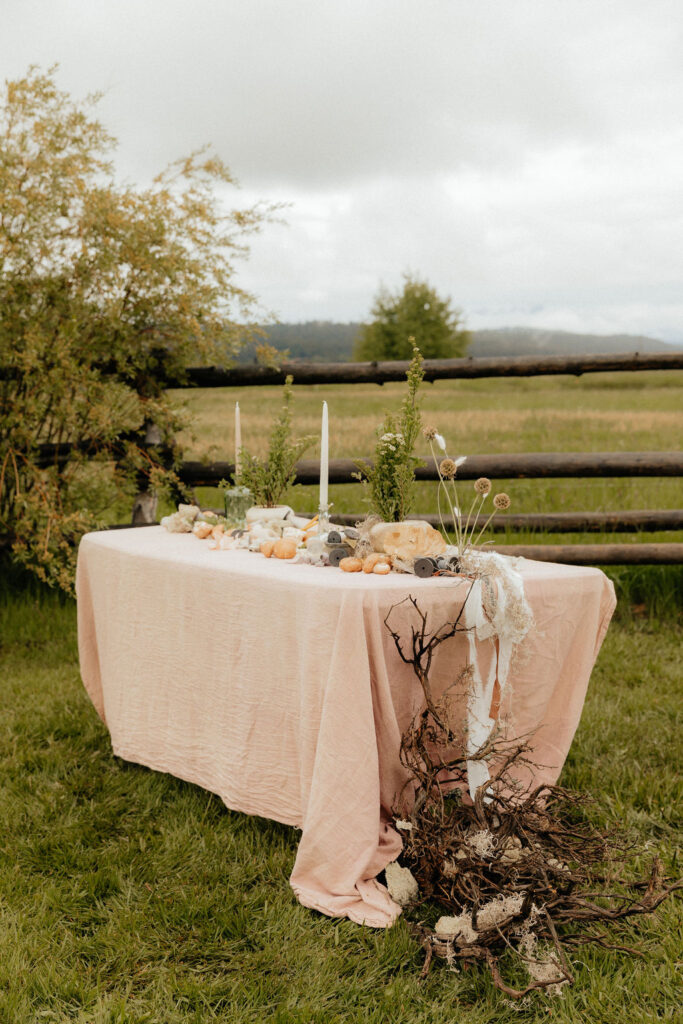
(324,459)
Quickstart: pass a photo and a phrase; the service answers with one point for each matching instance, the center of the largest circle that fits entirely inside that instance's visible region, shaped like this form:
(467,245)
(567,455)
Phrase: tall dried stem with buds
(447,494)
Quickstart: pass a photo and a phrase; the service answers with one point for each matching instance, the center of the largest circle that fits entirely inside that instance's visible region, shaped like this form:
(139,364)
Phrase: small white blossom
(391,442)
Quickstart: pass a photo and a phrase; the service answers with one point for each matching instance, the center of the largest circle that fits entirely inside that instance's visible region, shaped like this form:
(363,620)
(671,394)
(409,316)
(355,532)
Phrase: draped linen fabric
(278,687)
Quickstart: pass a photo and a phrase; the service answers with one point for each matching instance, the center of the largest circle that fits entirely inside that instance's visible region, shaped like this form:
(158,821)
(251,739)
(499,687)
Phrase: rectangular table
(276,686)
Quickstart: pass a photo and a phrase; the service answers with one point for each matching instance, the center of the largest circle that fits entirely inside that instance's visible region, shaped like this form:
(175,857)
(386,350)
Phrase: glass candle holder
(237,501)
(323,519)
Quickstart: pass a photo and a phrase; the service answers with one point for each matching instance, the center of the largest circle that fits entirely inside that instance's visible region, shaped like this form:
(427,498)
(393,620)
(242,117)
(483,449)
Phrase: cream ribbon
(480,628)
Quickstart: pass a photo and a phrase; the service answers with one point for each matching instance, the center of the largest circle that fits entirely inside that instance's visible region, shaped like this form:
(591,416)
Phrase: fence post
(146,500)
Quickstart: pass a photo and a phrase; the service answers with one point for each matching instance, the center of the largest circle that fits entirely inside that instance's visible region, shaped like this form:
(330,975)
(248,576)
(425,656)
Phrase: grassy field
(129,897)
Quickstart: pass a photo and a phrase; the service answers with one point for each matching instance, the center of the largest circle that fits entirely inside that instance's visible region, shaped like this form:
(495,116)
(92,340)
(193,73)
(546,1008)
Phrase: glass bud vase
(237,501)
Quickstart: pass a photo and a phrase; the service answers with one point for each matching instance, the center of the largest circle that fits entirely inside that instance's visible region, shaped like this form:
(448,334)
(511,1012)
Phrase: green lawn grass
(129,897)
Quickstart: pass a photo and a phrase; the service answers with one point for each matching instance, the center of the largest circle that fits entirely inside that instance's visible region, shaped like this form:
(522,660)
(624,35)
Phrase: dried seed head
(482,486)
(448,468)
(501,502)
(429,433)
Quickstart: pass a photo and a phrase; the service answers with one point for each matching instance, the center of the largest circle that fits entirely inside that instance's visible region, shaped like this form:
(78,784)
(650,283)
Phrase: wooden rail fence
(532,465)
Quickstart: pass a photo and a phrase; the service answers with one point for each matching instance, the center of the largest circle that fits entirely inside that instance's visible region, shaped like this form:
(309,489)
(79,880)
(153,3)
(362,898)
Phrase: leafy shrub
(106,291)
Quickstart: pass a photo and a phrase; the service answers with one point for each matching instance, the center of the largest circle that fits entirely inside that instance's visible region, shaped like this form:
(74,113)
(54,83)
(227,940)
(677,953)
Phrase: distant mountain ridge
(532,341)
(327,341)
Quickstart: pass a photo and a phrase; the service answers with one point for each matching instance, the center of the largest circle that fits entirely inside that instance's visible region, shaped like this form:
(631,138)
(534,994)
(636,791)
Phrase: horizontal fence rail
(252,375)
(597,554)
(385,372)
(515,466)
(639,521)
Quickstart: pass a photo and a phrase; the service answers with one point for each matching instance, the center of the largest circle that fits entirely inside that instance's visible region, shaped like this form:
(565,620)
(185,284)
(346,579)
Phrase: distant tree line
(413,316)
(318,341)
(322,341)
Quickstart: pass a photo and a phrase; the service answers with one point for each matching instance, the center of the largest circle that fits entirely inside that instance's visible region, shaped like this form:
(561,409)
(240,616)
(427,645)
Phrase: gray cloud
(523,156)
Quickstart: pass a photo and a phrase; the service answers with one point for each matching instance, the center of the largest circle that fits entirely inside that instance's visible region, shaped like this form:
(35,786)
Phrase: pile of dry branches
(521,870)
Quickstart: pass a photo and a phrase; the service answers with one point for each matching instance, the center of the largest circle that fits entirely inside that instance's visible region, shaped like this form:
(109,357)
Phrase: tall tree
(414,316)
(105,289)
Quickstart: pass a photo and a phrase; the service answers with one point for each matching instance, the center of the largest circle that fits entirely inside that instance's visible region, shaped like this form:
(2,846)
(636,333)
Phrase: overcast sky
(524,156)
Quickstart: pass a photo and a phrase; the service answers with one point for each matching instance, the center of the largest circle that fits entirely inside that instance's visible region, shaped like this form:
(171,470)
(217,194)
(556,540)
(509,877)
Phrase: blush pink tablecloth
(276,686)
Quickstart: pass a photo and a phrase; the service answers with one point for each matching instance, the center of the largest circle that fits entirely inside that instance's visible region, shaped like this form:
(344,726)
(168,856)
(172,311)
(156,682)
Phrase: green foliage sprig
(105,292)
(391,476)
(269,478)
